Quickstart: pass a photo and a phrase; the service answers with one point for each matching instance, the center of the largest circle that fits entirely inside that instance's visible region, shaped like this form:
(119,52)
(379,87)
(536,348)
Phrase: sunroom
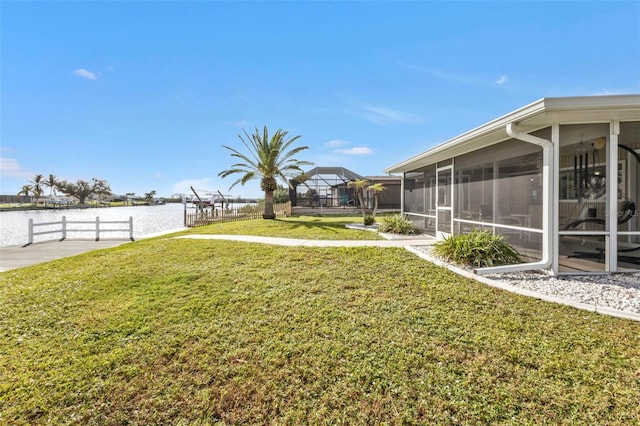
(559,178)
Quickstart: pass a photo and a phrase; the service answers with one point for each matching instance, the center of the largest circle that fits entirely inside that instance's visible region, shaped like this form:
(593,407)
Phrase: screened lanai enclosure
(591,177)
(324,187)
(559,179)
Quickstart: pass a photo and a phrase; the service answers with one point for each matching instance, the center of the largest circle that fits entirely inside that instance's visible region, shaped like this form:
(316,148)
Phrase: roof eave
(535,115)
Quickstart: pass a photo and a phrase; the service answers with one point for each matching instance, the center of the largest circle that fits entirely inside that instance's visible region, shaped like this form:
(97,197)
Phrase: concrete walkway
(13,257)
(395,242)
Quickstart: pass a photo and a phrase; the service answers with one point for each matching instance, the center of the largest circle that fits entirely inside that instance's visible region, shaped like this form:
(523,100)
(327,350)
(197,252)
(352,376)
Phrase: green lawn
(308,227)
(174,331)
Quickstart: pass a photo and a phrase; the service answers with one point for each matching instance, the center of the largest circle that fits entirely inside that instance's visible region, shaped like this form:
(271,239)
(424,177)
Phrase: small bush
(369,220)
(398,224)
(477,249)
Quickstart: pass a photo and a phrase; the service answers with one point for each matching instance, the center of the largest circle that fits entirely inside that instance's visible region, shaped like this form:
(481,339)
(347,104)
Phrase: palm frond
(266,156)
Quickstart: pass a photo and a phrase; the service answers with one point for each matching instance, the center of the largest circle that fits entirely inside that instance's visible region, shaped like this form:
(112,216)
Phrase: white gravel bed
(620,292)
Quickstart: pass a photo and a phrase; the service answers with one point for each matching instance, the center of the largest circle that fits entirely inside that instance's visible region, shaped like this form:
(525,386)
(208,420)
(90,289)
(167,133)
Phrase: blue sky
(144,94)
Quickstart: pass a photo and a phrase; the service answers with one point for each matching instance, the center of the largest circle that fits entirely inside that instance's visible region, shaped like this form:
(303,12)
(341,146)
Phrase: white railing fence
(97,227)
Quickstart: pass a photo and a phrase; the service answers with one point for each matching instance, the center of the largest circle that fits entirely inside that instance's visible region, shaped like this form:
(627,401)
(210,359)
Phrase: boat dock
(13,257)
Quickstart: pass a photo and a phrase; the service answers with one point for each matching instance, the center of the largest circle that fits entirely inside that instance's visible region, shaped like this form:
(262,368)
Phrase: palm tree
(51,183)
(269,158)
(376,188)
(149,197)
(36,187)
(130,196)
(360,185)
(26,190)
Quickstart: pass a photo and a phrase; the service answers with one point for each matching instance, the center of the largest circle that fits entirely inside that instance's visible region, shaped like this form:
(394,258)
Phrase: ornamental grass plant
(477,249)
(398,224)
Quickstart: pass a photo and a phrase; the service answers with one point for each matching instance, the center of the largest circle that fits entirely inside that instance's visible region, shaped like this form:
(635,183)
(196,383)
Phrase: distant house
(329,187)
(559,178)
(388,199)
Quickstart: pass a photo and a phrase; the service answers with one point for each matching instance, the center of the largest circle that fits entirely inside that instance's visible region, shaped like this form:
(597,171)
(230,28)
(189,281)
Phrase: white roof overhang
(538,115)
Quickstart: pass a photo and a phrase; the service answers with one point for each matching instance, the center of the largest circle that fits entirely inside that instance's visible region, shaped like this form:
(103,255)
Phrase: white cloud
(454,77)
(376,114)
(7,149)
(241,123)
(356,150)
(11,168)
(382,115)
(441,74)
(336,143)
(607,92)
(81,72)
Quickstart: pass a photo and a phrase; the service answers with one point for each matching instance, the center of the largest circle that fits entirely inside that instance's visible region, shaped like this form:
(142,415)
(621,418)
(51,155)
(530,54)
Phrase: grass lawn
(307,227)
(174,331)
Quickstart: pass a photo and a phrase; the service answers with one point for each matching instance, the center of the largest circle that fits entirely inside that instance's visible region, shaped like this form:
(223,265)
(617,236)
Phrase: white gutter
(547,203)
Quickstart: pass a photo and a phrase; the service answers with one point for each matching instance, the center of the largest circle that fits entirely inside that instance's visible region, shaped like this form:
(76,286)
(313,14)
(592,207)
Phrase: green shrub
(398,224)
(477,249)
(369,220)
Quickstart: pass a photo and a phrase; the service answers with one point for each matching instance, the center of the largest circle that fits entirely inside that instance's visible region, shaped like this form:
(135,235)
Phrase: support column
(611,240)
(404,176)
(495,190)
(554,215)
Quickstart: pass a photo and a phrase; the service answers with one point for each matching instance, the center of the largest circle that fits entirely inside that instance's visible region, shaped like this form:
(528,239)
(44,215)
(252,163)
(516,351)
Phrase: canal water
(147,220)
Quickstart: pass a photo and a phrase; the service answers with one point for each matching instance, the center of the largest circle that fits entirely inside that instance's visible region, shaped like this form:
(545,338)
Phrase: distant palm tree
(376,188)
(269,158)
(149,197)
(360,185)
(51,183)
(26,190)
(36,187)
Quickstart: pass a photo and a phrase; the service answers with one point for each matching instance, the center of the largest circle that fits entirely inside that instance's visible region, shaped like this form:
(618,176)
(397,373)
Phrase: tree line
(80,189)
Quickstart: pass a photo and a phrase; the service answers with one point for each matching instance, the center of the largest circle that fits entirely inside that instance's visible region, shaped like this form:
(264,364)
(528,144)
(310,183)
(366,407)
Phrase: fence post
(97,228)
(131,228)
(30,231)
(64,227)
